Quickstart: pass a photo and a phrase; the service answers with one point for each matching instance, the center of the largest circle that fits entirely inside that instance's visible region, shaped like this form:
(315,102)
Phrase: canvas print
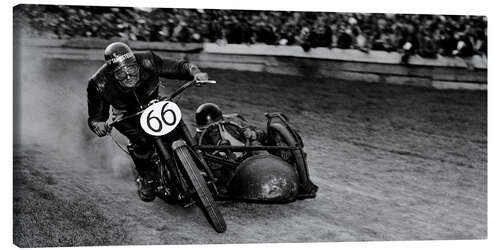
(142,126)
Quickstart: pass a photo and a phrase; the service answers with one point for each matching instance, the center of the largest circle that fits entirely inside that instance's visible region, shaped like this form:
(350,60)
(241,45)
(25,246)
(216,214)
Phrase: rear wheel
(206,200)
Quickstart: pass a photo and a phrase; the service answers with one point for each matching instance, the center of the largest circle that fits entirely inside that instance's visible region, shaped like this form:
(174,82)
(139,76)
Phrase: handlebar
(206,82)
(169,98)
(185,86)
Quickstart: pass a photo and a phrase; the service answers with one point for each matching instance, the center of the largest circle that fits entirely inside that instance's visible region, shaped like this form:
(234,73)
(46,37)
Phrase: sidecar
(269,172)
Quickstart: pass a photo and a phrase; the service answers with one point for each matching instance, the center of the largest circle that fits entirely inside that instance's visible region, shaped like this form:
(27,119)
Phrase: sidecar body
(267,172)
(264,178)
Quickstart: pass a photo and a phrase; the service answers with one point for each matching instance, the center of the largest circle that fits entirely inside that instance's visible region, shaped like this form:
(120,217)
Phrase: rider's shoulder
(99,78)
(146,60)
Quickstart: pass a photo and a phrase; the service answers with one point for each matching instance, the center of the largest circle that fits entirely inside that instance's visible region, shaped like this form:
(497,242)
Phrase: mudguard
(264,178)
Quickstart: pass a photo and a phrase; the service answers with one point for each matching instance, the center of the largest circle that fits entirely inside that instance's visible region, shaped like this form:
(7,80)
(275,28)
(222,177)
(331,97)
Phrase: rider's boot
(145,179)
(146,188)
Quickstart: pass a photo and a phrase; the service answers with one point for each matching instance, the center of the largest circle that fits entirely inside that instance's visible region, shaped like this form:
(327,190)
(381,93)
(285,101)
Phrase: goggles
(123,72)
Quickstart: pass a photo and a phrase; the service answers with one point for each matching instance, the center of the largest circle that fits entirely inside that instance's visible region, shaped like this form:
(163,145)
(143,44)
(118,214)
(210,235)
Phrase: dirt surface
(391,163)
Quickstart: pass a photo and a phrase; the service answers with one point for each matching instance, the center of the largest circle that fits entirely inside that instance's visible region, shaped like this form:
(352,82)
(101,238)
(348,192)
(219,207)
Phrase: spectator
(426,35)
(345,39)
(464,45)
(321,36)
(361,40)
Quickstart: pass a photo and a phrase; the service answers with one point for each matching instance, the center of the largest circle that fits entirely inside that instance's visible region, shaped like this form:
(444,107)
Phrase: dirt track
(392,163)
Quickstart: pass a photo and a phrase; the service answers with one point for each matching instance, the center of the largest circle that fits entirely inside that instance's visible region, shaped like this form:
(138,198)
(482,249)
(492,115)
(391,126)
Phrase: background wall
(375,66)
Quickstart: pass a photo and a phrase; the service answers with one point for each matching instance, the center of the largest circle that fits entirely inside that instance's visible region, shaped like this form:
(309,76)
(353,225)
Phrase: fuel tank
(264,178)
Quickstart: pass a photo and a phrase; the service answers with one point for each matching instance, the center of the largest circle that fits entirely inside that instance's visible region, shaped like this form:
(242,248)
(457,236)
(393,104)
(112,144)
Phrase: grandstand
(410,34)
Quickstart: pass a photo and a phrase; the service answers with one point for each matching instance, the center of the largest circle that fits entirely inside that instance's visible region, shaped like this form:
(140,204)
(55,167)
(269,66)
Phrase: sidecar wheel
(206,199)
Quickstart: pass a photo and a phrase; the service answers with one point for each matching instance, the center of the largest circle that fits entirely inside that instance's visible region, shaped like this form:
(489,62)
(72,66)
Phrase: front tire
(206,200)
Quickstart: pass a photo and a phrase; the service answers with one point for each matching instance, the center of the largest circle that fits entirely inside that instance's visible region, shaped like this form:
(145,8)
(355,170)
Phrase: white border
(477,7)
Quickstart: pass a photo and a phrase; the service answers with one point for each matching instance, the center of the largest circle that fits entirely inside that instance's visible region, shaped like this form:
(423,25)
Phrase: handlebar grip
(109,129)
(207,81)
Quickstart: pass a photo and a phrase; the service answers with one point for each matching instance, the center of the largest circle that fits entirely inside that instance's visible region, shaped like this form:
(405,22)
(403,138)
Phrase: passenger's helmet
(206,114)
(123,64)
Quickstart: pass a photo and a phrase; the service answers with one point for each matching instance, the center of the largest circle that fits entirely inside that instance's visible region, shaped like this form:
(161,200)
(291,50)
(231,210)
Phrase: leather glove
(249,134)
(201,76)
(100,128)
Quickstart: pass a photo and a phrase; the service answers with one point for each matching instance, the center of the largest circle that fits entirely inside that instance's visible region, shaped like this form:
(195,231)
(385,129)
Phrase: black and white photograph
(180,126)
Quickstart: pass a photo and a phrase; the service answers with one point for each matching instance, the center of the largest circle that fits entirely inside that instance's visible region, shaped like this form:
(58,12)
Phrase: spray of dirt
(53,115)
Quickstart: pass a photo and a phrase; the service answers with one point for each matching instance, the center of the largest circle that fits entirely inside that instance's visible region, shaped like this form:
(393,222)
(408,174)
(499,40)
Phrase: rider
(242,133)
(127,81)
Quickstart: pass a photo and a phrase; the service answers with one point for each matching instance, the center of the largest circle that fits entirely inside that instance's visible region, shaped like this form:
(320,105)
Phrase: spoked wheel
(206,200)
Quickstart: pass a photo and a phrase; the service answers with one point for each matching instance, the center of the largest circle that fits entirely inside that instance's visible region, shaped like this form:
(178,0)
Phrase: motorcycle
(182,175)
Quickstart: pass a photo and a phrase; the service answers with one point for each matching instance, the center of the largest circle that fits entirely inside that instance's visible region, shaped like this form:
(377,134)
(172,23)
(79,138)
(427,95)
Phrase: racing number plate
(160,118)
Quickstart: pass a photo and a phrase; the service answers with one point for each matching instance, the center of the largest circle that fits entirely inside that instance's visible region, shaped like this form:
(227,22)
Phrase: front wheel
(205,198)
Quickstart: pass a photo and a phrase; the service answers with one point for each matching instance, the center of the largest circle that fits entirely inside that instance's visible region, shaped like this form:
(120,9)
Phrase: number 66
(160,118)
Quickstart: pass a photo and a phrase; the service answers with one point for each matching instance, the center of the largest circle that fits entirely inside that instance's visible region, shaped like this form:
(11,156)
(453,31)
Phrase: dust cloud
(51,113)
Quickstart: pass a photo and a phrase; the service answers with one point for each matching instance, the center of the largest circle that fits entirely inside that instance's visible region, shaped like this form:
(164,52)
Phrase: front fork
(171,174)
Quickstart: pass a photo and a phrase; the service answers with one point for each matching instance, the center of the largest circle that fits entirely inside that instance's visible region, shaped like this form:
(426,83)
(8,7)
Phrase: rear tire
(206,199)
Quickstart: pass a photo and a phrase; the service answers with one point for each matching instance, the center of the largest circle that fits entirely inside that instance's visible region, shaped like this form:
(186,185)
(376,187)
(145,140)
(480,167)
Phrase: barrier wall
(375,66)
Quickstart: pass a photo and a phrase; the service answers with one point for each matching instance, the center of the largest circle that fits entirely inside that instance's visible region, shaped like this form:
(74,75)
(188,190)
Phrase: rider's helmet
(206,114)
(123,64)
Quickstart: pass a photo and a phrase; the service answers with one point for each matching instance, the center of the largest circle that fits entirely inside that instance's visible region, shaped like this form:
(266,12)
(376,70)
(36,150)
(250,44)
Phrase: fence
(375,66)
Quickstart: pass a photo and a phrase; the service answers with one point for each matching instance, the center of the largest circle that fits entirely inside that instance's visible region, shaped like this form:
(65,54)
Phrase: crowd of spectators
(425,35)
